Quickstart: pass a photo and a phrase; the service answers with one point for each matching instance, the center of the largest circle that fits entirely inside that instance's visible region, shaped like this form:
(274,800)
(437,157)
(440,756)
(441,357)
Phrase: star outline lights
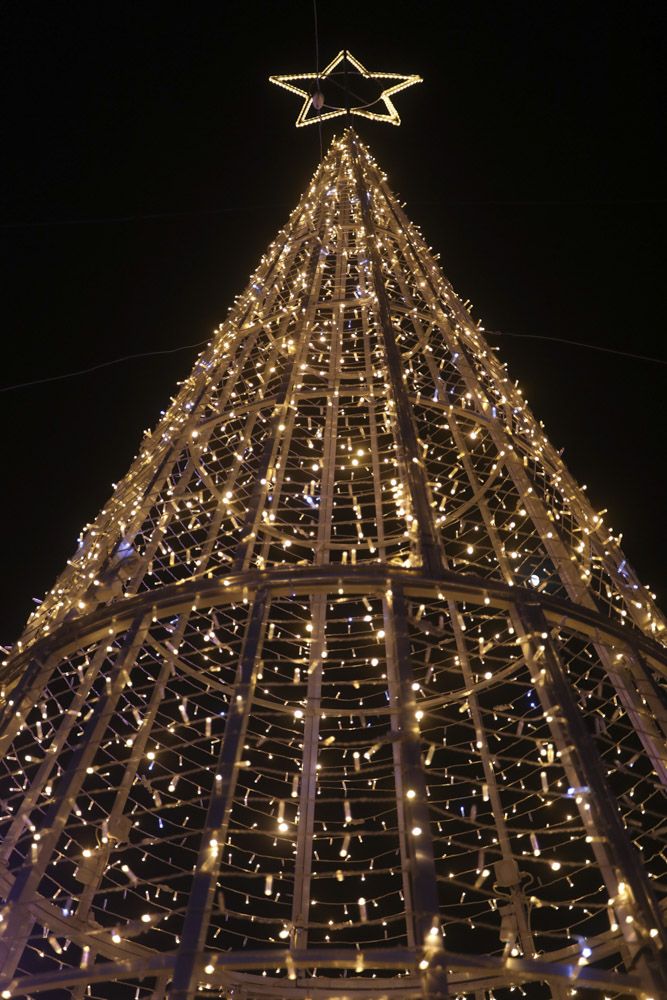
(391,116)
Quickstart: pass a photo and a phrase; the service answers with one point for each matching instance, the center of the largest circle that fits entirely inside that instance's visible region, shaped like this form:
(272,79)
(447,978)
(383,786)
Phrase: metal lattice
(347,692)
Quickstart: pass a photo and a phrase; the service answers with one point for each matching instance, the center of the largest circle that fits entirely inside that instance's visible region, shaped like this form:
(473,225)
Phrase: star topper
(315,99)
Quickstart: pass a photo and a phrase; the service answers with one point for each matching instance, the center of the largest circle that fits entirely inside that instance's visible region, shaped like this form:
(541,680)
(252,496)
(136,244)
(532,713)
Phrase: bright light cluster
(340,669)
(309,113)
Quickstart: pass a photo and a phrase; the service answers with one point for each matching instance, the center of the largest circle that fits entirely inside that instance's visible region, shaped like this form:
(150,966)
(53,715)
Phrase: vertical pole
(303,862)
(630,892)
(406,438)
(214,835)
(414,820)
(304,843)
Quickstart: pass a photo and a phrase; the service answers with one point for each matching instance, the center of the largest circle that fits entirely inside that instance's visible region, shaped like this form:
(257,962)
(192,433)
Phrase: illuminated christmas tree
(347,692)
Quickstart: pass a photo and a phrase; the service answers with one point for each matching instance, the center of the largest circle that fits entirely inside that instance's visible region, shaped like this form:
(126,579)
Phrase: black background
(147,163)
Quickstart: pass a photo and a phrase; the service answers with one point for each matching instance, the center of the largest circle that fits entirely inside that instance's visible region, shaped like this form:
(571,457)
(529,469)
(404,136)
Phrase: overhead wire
(317,70)
(102,364)
(578,343)
(200,343)
(235,209)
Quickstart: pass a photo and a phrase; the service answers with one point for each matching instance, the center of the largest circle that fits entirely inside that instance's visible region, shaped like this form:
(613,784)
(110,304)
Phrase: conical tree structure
(347,692)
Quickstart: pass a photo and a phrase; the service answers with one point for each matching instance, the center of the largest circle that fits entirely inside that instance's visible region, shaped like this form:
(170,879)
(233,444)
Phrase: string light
(390,116)
(264,570)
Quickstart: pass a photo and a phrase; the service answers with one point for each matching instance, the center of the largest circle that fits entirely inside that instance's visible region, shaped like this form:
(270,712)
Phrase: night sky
(147,163)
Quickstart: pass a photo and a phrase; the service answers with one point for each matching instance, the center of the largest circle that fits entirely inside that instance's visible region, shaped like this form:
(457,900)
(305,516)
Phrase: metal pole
(214,834)
(630,892)
(416,840)
(406,437)
(308,790)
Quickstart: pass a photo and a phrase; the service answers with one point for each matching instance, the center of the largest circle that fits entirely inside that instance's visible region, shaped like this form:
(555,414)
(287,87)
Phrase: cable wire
(186,347)
(103,364)
(317,70)
(578,343)
(235,209)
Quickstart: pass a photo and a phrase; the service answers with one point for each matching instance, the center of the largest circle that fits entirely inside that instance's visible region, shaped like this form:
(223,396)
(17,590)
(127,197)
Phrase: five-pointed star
(363,111)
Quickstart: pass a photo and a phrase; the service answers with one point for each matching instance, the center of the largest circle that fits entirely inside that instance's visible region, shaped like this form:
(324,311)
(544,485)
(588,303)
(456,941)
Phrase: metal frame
(324,560)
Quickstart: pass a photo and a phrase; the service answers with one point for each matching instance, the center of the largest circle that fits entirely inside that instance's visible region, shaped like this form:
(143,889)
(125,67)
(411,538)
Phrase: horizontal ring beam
(362,579)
